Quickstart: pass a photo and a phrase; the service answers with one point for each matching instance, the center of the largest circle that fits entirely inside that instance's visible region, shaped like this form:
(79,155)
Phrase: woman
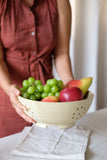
(31,33)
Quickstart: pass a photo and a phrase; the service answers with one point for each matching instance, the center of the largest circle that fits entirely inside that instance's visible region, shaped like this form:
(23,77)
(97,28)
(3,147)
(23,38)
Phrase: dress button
(32,33)
(34,52)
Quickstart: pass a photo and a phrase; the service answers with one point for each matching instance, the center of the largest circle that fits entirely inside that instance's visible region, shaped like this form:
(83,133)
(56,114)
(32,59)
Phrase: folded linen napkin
(52,143)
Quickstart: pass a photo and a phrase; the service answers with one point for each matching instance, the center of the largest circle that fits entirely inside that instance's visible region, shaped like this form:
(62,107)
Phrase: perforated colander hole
(81,107)
(73,113)
(28,108)
(72,117)
(79,114)
(77,109)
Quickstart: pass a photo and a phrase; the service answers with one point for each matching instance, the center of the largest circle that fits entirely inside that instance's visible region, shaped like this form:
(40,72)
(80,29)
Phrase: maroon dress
(29,37)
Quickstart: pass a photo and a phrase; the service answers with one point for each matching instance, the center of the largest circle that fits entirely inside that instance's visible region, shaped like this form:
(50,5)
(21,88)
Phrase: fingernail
(18,92)
(25,109)
(33,122)
(30,121)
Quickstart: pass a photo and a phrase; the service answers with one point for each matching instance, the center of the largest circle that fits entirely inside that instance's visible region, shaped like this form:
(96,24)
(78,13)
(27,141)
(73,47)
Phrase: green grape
(31,80)
(54,89)
(37,95)
(22,92)
(25,84)
(38,82)
(36,90)
(57,94)
(22,89)
(48,81)
(46,88)
(52,82)
(44,94)
(50,94)
(32,97)
(31,90)
(26,95)
(40,88)
(60,83)
(60,88)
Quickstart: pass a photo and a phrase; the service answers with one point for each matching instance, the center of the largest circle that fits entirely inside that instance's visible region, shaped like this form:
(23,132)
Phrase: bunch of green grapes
(34,89)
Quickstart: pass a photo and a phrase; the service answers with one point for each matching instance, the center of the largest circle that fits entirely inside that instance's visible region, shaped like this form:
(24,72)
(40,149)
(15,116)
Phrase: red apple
(70,94)
(50,99)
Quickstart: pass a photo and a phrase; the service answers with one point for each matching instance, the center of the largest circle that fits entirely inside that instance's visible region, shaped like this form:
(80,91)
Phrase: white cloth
(52,143)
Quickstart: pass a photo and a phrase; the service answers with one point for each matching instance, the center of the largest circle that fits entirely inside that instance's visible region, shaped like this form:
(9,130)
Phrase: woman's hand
(10,89)
(13,93)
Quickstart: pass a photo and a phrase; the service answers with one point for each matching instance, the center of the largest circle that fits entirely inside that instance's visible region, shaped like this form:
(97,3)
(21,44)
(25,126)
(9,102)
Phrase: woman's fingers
(20,110)
(23,115)
(16,102)
(14,89)
(14,92)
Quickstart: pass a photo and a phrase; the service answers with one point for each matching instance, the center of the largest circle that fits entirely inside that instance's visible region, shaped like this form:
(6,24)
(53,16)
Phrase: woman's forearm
(5,80)
(63,67)
(62,59)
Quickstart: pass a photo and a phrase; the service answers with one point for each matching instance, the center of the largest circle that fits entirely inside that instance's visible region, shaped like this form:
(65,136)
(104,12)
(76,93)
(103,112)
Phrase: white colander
(60,114)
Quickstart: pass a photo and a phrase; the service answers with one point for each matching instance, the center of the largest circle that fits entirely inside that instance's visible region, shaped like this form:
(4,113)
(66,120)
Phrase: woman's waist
(26,57)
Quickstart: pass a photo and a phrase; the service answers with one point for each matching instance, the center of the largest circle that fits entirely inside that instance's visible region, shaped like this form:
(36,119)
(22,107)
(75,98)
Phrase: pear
(83,84)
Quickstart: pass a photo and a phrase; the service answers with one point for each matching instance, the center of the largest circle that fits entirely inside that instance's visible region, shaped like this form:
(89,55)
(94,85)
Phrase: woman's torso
(29,37)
